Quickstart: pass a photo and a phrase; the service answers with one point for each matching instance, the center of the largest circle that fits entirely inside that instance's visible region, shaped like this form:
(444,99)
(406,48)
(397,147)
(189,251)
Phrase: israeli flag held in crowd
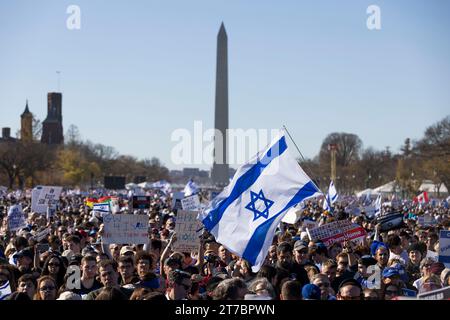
(245,215)
(331,197)
(5,290)
(190,188)
(378,206)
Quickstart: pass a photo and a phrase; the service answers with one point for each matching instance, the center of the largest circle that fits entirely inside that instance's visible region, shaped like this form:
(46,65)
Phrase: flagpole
(287,131)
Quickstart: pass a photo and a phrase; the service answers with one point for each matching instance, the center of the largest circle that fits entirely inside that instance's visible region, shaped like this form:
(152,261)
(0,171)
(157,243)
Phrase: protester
(71,260)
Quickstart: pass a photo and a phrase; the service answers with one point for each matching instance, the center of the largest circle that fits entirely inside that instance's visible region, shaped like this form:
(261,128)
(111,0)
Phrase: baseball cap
(350,281)
(68,254)
(390,272)
(299,245)
(368,260)
(24,253)
(68,295)
(126,249)
(311,292)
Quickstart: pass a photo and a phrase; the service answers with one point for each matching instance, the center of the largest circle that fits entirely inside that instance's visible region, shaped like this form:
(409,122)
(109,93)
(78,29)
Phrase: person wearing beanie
(311,292)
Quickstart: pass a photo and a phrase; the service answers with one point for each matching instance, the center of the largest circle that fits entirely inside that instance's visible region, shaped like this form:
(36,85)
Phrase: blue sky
(138,70)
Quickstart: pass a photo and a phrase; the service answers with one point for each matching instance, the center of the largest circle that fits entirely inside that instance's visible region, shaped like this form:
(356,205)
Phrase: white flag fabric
(163,185)
(190,188)
(331,197)
(102,207)
(378,206)
(245,215)
(5,290)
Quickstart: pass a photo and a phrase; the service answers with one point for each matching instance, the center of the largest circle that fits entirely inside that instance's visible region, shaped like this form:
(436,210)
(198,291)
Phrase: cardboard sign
(114,204)
(427,220)
(176,200)
(48,196)
(191,203)
(141,202)
(34,198)
(188,230)
(337,231)
(16,218)
(41,234)
(125,229)
(444,247)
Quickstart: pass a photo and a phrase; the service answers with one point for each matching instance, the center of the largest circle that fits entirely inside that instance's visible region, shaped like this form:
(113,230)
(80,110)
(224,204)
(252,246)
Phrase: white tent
(430,187)
(145,185)
(365,193)
(130,186)
(386,188)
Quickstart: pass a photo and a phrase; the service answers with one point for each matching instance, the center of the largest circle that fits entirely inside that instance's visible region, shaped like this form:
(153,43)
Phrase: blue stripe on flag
(334,197)
(256,242)
(243,183)
(444,259)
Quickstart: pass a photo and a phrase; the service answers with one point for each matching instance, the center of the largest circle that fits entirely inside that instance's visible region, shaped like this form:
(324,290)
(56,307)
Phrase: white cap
(68,254)
(68,295)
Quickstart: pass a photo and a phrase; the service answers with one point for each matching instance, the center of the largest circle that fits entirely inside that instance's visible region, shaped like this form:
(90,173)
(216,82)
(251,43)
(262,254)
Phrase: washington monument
(220,174)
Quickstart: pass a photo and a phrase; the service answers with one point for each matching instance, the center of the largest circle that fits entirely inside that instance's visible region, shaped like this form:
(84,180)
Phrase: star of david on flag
(245,215)
(253,203)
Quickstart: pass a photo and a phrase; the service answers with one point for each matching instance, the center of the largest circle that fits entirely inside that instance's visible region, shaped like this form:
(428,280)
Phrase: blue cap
(311,292)
(390,272)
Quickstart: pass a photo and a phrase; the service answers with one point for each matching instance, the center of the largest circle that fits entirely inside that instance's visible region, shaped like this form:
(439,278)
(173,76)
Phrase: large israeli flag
(331,197)
(244,216)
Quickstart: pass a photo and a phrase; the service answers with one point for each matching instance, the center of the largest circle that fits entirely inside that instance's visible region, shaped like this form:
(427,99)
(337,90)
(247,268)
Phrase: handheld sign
(141,202)
(34,198)
(444,247)
(191,203)
(38,237)
(176,200)
(337,231)
(16,218)
(125,229)
(439,294)
(48,196)
(188,230)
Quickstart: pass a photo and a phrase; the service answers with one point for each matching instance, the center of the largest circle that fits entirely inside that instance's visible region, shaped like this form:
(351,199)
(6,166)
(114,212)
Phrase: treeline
(77,163)
(358,168)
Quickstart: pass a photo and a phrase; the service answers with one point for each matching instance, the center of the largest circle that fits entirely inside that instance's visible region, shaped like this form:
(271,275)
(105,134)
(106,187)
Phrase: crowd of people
(71,262)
